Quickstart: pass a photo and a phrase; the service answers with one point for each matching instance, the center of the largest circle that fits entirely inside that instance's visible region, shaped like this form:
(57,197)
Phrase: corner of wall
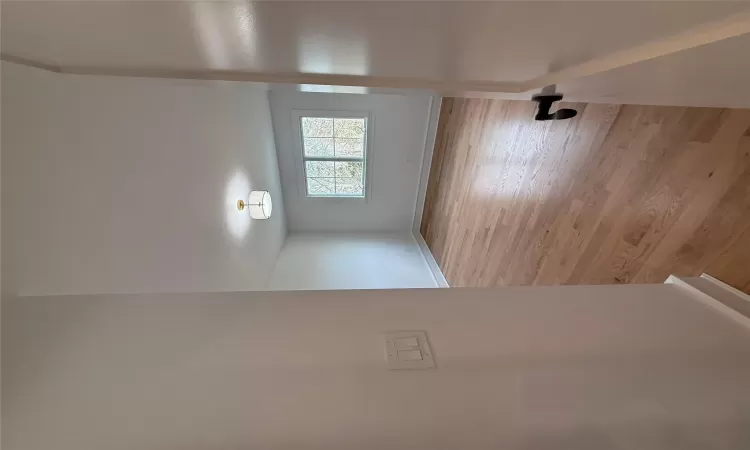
(716,295)
(429,259)
(429,145)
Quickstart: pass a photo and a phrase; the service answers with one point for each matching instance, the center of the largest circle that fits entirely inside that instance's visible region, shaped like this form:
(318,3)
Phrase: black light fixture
(545,103)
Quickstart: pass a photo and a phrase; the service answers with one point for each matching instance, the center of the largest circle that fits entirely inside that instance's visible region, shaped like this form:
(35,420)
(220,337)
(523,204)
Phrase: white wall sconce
(259,205)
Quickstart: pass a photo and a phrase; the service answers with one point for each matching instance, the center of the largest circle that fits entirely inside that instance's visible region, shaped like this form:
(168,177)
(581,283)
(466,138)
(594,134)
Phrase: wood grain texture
(619,194)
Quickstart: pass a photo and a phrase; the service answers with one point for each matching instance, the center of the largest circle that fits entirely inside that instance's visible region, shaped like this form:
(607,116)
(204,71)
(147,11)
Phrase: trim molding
(424,171)
(726,287)
(271,77)
(437,274)
(731,26)
(709,301)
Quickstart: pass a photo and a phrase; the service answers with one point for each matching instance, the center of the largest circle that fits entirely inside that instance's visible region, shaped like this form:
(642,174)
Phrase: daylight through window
(334,156)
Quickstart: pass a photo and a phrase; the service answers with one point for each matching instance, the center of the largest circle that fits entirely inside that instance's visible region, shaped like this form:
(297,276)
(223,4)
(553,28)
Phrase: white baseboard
(429,146)
(709,301)
(725,286)
(424,175)
(440,280)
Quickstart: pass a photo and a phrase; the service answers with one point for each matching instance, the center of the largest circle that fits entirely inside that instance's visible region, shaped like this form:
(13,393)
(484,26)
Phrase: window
(333,151)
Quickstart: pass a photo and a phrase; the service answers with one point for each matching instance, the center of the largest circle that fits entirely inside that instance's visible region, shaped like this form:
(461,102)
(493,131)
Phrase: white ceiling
(436,40)
(448,41)
(712,75)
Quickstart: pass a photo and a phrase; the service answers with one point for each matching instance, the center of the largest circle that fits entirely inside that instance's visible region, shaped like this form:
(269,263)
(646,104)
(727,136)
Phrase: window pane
(321,186)
(349,186)
(313,186)
(317,127)
(317,169)
(349,169)
(349,128)
(318,146)
(325,137)
(350,148)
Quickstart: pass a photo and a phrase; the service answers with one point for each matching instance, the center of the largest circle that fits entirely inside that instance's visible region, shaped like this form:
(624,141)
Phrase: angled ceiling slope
(441,46)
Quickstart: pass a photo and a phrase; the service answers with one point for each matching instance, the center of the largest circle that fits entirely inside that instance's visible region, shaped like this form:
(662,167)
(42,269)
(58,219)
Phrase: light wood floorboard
(619,194)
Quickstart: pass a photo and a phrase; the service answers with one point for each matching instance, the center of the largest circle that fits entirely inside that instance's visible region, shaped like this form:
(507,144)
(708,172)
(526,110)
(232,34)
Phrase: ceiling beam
(272,77)
(298,78)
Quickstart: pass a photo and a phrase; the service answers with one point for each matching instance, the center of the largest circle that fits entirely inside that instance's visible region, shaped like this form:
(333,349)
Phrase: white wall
(543,368)
(117,185)
(351,261)
(400,125)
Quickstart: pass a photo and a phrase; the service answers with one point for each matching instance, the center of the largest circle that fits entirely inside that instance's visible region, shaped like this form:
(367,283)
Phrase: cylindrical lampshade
(259,204)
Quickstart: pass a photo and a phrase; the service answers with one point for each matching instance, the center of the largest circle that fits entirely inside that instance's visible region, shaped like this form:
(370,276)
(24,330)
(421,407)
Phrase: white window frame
(297,116)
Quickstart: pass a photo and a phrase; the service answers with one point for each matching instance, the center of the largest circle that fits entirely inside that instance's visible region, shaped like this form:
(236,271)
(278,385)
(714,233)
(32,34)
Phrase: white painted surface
(726,287)
(713,76)
(424,171)
(695,286)
(408,350)
(737,301)
(398,124)
(312,261)
(544,368)
(114,185)
(433,40)
(437,274)
(441,40)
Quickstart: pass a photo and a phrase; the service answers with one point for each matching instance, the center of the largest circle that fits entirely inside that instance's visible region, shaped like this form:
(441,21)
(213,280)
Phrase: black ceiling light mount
(545,103)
